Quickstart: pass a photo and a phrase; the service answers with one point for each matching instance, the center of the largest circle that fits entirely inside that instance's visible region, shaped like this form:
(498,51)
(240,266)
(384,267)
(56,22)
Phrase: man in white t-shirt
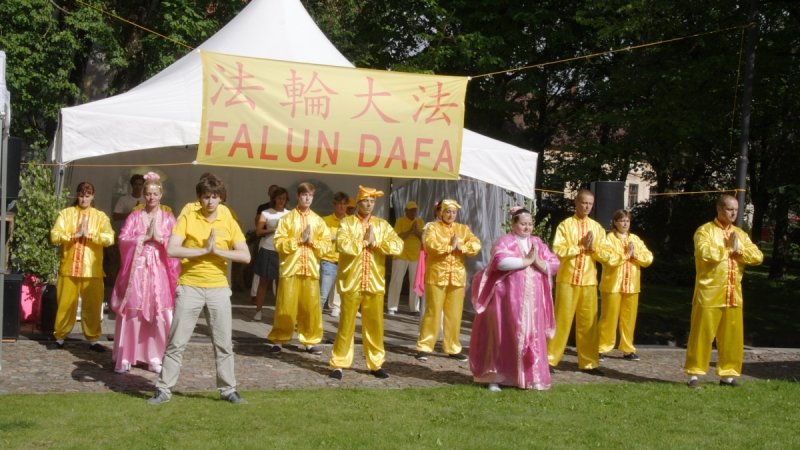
(126,203)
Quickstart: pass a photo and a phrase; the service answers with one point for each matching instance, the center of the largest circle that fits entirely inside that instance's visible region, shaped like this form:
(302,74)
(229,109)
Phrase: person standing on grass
(363,242)
(513,303)
(329,264)
(721,252)
(575,243)
(82,231)
(446,244)
(300,240)
(205,236)
(409,228)
(623,256)
(267,265)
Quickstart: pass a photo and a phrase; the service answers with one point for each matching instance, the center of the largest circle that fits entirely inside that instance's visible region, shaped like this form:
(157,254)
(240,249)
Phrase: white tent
(165,110)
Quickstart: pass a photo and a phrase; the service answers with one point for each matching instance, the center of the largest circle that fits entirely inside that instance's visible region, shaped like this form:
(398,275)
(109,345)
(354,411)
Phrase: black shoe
(732,383)
(380,373)
(552,370)
(234,398)
(422,356)
(274,348)
(693,384)
(336,374)
(314,349)
(97,348)
(158,398)
(602,357)
(630,357)
(459,357)
(59,346)
(596,372)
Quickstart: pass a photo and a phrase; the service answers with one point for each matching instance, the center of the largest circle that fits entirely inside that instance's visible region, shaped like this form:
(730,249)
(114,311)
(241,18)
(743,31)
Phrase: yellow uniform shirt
(297,258)
(333,223)
(719,272)
(577,268)
(362,269)
(208,271)
(412,243)
(620,273)
(444,266)
(82,257)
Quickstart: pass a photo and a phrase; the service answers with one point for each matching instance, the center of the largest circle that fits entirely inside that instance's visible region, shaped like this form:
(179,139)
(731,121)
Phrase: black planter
(47,315)
(12,290)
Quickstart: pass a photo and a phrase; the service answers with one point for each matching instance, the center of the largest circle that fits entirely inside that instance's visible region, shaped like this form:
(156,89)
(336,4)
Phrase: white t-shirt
(271,217)
(126,203)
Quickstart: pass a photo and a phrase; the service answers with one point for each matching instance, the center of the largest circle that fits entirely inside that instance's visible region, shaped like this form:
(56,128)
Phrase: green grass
(760,414)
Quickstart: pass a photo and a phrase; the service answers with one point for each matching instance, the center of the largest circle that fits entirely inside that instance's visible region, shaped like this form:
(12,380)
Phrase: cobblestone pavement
(32,365)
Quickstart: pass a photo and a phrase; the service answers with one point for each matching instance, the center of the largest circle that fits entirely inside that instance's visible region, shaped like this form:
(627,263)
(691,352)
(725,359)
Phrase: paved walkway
(31,365)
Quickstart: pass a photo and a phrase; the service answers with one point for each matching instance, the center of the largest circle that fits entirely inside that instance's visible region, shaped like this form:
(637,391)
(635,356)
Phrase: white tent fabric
(165,111)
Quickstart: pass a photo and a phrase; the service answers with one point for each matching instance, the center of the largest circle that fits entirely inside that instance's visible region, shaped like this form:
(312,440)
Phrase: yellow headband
(447,203)
(368,192)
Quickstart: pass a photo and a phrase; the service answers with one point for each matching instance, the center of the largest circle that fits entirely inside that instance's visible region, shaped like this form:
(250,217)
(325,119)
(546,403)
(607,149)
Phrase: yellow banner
(301,117)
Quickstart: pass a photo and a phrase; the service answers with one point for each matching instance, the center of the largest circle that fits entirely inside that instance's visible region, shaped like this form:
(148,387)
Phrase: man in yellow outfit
(446,244)
(329,264)
(409,228)
(721,252)
(82,231)
(300,240)
(363,242)
(575,243)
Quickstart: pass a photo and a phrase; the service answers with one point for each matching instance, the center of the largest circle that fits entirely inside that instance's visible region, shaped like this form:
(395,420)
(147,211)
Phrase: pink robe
(514,318)
(144,293)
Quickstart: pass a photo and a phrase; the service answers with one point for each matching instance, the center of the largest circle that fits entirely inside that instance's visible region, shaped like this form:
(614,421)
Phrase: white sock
(693,377)
(729,380)
(59,341)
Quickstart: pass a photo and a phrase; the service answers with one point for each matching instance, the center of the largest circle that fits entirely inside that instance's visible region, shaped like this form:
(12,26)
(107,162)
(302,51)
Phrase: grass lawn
(760,414)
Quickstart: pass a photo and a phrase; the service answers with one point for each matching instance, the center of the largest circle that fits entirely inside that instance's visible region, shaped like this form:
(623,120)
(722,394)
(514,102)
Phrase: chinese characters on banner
(301,117)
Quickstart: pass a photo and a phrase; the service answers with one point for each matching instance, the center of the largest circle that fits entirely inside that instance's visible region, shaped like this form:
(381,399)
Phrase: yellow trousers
(297,303)
(371,330)
(90,291)
(618,309)
(724,324)
(578,303)
(447,300)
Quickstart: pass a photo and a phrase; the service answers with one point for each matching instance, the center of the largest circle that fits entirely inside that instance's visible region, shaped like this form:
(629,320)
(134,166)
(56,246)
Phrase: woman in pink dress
(513,302)
(144,294)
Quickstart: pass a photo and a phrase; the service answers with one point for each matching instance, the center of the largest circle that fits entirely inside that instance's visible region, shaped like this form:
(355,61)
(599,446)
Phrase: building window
(633,195)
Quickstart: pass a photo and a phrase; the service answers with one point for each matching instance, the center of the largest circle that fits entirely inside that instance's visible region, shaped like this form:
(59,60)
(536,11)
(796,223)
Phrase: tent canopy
(164,112)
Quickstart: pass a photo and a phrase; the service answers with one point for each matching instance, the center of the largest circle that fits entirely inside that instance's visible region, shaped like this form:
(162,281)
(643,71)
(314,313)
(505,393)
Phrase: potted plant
(31,252)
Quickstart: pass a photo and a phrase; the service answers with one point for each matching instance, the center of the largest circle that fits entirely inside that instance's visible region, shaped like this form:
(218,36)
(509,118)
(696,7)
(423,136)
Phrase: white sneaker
(391,312)
(494,387)
(257,316)
(124,367)
(335,312)
(155,367)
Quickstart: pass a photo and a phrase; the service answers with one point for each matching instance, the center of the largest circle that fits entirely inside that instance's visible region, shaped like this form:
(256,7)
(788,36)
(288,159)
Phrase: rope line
(110,14)
(611,51)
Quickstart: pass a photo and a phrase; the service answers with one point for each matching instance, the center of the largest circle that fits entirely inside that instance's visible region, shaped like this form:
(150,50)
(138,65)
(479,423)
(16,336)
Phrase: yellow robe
(576,291)
(445,278)
(81,270)
(619,288)
(717,302)
(297,301)
(361,282)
